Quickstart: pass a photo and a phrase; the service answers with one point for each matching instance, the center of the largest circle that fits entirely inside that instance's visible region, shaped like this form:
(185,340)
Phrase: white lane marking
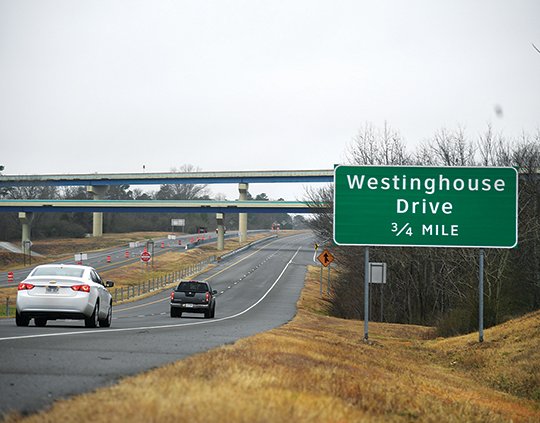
(117,310)
(105,331)
(237,262)
(141,305)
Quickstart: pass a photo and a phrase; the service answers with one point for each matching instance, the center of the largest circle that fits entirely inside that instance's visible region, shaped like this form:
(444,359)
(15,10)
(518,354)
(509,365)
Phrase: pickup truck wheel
(213,314)
(175,312)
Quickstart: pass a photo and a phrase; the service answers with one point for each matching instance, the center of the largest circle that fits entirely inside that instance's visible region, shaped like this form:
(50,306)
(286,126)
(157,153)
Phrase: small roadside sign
(325,258)
(377,272)
(146,256)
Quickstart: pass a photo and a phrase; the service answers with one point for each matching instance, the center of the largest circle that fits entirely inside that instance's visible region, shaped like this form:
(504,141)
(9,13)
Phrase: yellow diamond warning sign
(325,258)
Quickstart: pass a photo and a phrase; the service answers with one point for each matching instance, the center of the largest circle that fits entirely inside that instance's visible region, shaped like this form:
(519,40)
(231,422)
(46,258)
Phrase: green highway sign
(425,206)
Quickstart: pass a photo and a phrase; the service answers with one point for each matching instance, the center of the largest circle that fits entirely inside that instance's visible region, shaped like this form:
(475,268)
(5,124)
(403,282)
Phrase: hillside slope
(318,369)
(508,359)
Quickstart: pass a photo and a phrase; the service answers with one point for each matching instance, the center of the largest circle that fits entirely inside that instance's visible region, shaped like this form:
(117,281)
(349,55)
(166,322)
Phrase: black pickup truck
(193,297)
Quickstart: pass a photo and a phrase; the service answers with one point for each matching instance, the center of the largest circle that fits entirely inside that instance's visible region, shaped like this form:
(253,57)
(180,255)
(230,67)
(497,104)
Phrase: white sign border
(427,246)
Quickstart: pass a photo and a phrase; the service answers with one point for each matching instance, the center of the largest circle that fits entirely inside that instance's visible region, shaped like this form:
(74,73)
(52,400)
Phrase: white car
(58,291)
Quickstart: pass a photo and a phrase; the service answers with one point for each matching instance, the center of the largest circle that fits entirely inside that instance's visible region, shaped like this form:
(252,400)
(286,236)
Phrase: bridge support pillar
(26,222)
(242,218)
(97,191)
(220,232)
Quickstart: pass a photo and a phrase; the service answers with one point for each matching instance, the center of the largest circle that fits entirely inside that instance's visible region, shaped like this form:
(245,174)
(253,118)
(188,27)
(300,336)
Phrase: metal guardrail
(128,292)
(245,247)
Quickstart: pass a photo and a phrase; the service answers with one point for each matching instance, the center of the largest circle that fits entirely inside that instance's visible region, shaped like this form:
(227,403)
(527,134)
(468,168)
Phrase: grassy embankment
(317,368)
(130,274)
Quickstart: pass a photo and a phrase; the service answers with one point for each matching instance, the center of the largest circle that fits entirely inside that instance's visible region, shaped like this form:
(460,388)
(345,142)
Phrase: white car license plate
(188,305)
(51,290)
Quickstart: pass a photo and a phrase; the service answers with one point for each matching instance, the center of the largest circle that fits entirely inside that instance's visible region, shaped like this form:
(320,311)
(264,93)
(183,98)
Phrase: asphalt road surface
(258,290)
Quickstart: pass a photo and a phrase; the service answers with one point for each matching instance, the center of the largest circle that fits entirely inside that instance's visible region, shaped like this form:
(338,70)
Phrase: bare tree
(447,149)
(373,147)
(183,191)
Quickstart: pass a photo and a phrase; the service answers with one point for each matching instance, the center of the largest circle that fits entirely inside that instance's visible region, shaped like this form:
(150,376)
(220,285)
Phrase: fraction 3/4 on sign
(405,229)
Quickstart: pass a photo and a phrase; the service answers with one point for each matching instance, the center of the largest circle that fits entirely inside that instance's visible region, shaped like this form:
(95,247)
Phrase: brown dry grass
(316,368)
(508,359)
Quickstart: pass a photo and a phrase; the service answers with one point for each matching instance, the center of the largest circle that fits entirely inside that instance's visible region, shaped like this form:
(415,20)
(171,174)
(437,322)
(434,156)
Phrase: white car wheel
(107,322)
(93,320)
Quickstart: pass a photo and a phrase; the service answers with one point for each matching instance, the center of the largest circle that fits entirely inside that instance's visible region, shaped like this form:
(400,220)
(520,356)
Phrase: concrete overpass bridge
(106,179)
(97,185)
(151,206)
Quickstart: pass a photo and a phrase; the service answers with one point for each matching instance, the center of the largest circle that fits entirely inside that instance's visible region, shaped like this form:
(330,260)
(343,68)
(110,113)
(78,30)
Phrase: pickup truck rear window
(192,287)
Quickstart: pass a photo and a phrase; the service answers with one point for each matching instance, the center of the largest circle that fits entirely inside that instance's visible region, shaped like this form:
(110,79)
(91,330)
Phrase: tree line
(439,286)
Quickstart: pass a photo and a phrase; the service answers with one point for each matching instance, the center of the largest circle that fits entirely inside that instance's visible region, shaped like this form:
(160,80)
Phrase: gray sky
(110,85)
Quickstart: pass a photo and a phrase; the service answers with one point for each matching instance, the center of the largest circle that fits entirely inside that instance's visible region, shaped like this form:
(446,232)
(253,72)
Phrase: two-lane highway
(257,290)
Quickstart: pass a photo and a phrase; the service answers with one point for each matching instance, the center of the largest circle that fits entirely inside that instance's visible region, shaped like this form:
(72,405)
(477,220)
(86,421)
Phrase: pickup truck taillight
(25,286)
(172,295)
(207,297)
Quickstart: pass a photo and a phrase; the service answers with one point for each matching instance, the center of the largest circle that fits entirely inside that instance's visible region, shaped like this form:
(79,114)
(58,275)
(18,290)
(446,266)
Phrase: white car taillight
(25,286)
(81,288)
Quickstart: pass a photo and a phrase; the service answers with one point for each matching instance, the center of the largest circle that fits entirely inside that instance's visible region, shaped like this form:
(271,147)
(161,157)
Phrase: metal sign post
(150,249)
(325,258)
(328,285)
(481,298)
(377,275)
(366,293)
(320,282)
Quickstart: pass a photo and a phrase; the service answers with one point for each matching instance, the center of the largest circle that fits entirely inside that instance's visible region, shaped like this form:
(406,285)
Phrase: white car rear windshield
(58,271)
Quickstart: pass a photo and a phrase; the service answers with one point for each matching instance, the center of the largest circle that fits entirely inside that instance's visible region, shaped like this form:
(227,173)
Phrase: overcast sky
(110,85)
